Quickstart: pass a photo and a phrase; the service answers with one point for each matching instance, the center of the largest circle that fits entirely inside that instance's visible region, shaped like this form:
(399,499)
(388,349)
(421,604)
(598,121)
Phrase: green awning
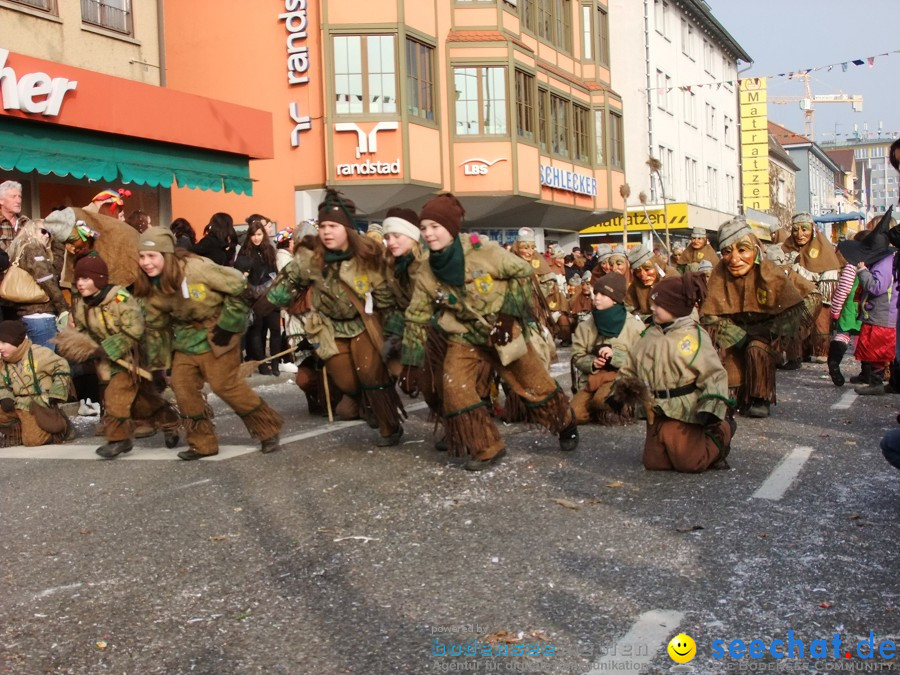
(47,149)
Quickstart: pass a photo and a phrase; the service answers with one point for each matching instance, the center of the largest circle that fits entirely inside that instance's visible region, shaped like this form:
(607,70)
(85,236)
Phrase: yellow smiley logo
(682,648)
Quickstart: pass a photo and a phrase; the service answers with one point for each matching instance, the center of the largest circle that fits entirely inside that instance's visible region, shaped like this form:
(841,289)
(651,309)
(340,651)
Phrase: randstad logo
(794,648)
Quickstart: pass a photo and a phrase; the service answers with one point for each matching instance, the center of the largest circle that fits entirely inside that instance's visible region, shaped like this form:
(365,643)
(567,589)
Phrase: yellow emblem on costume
(761,296)
(700,255)
(197,291)
(361,284)
(688,345)
(484,284)
(813,253)
(535,263)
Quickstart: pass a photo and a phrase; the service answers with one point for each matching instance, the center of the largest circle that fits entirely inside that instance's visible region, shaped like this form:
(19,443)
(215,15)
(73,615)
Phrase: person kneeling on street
(599,348)
(33,381)
(688,425)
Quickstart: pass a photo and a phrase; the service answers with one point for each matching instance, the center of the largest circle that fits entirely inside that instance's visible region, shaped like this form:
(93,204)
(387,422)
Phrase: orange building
(506,103)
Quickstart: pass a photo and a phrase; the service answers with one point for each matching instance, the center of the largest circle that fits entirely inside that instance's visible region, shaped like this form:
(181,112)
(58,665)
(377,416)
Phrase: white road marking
(783,475)
(57,589)
(87,452)
(638,647)
(846,400)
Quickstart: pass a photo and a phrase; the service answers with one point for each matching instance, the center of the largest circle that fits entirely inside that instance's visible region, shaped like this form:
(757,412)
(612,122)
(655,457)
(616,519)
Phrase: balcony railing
(46,5)
(99,13)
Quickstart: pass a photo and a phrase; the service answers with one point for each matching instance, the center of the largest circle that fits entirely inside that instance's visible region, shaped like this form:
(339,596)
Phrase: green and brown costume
(114,319)
(482,284)
(32,375)
(679,365)
(752,318)
(352,354)
(179,325)
(593,386)
(690,258)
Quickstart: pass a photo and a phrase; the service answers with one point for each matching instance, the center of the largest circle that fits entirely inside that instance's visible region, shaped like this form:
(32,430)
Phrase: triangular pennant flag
(790,76)
(718,86)
(844,67)
(871,61)
(858,62)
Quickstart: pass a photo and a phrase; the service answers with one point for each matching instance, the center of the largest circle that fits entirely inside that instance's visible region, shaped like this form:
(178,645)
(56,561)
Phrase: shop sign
(367,144)
(560,179)
(34,93)
(295,24)
(478,167)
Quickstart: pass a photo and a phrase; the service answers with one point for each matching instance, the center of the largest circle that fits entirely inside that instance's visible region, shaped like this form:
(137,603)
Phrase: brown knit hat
(336,208)
(159,239)
(679,295)
(446,210)
(12,332)
(612,286)
(92,267)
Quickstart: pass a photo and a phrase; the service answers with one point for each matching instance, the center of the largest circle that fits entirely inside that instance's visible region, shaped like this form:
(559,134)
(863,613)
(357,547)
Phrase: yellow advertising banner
(755,136)
(755,124)
(755,150)
(753,90)
(638,221)
(755,177)
(754,110)
(752,192)
(758,203)
(755,163)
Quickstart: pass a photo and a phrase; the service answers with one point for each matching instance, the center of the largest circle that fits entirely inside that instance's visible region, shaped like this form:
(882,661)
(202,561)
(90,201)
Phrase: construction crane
(808,100)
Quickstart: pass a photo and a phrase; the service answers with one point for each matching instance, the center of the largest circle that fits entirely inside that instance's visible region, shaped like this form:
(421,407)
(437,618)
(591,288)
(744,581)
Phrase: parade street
(333,556)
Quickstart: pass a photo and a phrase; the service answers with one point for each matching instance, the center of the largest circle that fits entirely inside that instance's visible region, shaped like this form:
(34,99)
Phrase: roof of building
(785,136)
(843,158)
(701,13)
(776,151)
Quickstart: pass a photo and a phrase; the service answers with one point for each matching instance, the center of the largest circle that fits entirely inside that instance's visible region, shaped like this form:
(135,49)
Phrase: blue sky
(792,35)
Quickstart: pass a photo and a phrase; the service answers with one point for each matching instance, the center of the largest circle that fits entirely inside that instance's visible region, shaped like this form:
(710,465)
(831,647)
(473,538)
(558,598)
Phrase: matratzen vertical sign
(754,144)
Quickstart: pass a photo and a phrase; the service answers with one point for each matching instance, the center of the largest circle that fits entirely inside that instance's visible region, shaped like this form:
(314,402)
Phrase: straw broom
(656,167)
(625,192)
(247,367)
(642,197)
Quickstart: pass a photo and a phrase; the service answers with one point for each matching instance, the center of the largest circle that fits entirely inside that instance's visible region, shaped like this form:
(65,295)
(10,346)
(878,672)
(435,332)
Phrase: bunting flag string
(868,60)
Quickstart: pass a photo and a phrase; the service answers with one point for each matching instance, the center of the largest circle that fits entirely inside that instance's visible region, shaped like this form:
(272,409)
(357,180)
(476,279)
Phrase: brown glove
(502,332)
(409,380)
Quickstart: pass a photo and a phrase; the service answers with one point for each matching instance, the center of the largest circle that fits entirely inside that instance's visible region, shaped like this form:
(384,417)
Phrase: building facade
(782,184)
(506,104)
(84,108)
(676,67)
(877,182)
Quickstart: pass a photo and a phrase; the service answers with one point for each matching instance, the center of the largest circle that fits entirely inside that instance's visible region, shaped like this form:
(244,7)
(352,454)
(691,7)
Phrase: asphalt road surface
(333,556)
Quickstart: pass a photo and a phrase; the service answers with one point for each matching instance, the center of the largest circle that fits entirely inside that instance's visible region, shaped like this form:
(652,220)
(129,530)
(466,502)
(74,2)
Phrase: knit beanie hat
(557,252)
(336,208)
(733,230)
(401,221)
(679,295)
(604,251)
(92,267)
(802,218)
(638,256)
(705,266)
(698,232)
(446,210)
(159,239)
(612,286)
(525,234)
(12,332)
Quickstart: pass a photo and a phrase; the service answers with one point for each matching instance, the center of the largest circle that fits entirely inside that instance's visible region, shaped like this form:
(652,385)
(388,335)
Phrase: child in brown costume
(195,314)
(687,405)
(480,296)
(346,272)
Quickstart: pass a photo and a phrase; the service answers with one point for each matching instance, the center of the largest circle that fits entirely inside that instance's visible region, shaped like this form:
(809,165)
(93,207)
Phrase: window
(666,157)
(729,131)
(711,120)
(480,101)
(46,5)
(690,107)
(595,34)
(525,105)
(559,126)
(543,117)
(599,138)
(712,187)
(554,23)
(663,85)
(661,17)
(780,195)
(690,179)
(602,30)
(364,74)
(587,34)
(111,14)
(687,38)
(616,153)
(731,202)
(526,14)
(581,118)
(709,54)
(419,80)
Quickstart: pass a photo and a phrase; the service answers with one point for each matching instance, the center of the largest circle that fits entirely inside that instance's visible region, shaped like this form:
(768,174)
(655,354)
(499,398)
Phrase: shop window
(365,80)
(616,152)
(560,125)
(420,80)
(525,105)
(480,101)
(48,6)
(581,124)
(599,138)
(113,15)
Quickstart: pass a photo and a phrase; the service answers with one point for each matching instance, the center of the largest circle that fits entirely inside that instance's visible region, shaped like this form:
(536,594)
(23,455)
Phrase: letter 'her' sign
(34,93)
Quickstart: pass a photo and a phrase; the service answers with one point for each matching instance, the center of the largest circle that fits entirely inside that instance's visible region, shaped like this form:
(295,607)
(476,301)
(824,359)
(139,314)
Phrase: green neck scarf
(401,266)
(449,265)
(337,256)
(609,322)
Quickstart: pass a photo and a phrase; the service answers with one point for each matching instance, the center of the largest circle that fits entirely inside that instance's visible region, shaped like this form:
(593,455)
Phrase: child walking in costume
(110,325)
(349,290)
(195,313)
(688,398)
(480,297)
